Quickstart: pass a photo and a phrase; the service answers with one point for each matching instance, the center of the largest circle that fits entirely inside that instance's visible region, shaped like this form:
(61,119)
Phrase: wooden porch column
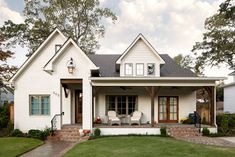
(95,90)
(212,97)
(152,91)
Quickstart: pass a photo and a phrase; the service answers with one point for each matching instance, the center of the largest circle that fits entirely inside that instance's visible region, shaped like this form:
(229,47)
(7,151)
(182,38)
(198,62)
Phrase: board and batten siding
(140,53)
(229,99)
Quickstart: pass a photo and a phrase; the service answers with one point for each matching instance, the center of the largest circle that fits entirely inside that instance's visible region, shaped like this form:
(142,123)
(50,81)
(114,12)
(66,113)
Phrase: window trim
(153,71)
(116,103)
(131,69)
(30,105)
(57,47)
(137,69)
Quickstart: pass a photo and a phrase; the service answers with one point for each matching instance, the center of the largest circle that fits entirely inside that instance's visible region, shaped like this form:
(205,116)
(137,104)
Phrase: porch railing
(197,121)
(54,122)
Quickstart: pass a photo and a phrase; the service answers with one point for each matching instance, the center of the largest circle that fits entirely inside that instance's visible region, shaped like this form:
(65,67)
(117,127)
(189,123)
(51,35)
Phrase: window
(39,104)
(57,47)
(151,68)
(128,69)
(139,69)
(122,105)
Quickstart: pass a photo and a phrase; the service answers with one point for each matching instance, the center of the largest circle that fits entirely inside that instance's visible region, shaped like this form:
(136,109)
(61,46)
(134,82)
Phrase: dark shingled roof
(107,64)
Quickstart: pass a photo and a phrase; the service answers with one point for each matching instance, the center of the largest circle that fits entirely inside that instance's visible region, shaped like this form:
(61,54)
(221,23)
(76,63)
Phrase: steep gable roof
(140,37)
(30,59)
(49,65)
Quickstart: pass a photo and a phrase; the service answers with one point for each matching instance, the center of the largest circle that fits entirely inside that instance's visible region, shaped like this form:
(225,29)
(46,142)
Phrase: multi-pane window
(123,105)
(128,68)
(39,104)
(139,69)
(151,68)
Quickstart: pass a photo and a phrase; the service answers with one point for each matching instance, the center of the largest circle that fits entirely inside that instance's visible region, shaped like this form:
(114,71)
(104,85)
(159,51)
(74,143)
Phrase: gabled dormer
(140,59)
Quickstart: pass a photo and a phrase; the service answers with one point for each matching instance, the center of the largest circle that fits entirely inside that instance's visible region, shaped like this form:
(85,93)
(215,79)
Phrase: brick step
(69,133)
(177,131)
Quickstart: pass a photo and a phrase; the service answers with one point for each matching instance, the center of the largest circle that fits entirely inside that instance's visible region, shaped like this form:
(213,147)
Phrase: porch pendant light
(71,66)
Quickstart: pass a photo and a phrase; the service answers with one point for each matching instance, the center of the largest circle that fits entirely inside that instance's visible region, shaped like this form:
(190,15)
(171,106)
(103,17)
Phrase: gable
(48,46)
(145,45)
(68,46)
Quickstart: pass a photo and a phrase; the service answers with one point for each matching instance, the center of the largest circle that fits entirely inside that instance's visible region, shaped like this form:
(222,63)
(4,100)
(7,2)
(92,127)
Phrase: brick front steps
(69,133)
(183,131)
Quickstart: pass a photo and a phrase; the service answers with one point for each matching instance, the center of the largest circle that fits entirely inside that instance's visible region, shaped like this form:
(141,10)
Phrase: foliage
(205,132)
(146,146)
(16,146)
(10,127)
(186,61)
(39,134)
(186,121)
(163,131)
(97,132)
(82,20)
(4,118)
(217,45)
(226,123)
(17,133)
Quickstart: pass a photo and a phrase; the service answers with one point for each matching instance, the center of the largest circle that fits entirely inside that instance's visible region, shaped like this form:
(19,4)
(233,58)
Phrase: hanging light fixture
(71,66)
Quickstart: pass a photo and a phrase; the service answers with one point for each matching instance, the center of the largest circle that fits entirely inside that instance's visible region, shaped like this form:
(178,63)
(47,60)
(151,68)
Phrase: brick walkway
(51,148)
(208,141)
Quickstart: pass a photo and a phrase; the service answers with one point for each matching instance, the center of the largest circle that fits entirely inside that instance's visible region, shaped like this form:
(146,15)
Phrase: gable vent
(57,47)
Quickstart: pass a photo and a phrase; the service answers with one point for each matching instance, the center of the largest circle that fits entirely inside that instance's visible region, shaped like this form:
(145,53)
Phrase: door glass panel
(173,108)
(163,105)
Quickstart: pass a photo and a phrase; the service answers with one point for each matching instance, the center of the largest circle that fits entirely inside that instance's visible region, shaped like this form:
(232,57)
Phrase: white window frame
(131,70)
(154,71)
(40,104)
(138,74)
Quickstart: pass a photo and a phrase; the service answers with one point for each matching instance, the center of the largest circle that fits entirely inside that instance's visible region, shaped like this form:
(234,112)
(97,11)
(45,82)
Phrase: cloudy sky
(171,26)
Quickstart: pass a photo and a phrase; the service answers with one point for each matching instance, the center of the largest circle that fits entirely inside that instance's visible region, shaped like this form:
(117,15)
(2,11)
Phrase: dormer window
(139,69)
(151,68)
(128,68)
(57,47)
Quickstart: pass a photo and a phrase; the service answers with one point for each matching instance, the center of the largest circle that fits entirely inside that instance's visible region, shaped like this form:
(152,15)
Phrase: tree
(218,41)
(186,62)
(80,19)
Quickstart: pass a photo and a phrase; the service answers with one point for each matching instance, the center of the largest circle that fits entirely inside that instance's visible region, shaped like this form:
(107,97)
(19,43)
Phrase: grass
(145,146)
(14,146)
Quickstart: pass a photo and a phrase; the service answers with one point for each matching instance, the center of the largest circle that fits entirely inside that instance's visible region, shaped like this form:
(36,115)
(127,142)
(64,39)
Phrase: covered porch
(161,101)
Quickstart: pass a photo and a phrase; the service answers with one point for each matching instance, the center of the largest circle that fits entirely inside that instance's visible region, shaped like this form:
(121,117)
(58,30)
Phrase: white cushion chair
(113,119)
(135,118)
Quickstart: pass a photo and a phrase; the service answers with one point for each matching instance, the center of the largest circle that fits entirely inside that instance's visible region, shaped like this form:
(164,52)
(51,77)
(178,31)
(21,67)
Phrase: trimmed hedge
(39,134)
(226,124)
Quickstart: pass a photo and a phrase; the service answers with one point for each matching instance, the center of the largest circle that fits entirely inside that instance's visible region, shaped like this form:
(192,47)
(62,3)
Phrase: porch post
(152,91)
(212,99)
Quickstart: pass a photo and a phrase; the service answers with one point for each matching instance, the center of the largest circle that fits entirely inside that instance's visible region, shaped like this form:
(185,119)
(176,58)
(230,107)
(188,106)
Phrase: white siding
(140,53)
(229,99)
(36,81)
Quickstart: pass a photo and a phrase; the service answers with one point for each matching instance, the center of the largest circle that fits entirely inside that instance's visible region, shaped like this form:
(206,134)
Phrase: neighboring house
(60,77)
(229,96)
(6,95)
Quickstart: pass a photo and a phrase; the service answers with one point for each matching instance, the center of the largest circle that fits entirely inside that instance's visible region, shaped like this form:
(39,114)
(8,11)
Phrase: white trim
(49,66)
(157,78)
(29,60)
(140,36)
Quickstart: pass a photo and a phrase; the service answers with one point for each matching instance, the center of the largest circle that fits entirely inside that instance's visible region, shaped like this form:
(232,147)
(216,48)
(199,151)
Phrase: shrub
(97,132)
(39,134)
(10,127)
(163,131)
(205,132)
(4,119)
(17,133)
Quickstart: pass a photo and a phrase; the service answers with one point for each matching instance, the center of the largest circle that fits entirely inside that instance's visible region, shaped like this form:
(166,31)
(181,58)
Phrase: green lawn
(13,146)
(146,146)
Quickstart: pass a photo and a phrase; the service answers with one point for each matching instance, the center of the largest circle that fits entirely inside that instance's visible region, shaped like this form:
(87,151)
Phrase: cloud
(172,26)
(7,14)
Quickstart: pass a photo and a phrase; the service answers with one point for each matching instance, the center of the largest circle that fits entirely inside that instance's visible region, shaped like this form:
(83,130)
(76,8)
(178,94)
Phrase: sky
(171,26)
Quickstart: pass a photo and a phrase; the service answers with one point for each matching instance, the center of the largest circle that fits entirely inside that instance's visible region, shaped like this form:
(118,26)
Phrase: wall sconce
(71,66)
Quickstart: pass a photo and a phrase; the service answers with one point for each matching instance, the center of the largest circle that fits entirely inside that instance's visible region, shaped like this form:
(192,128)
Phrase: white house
(60,78)
(229,96)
